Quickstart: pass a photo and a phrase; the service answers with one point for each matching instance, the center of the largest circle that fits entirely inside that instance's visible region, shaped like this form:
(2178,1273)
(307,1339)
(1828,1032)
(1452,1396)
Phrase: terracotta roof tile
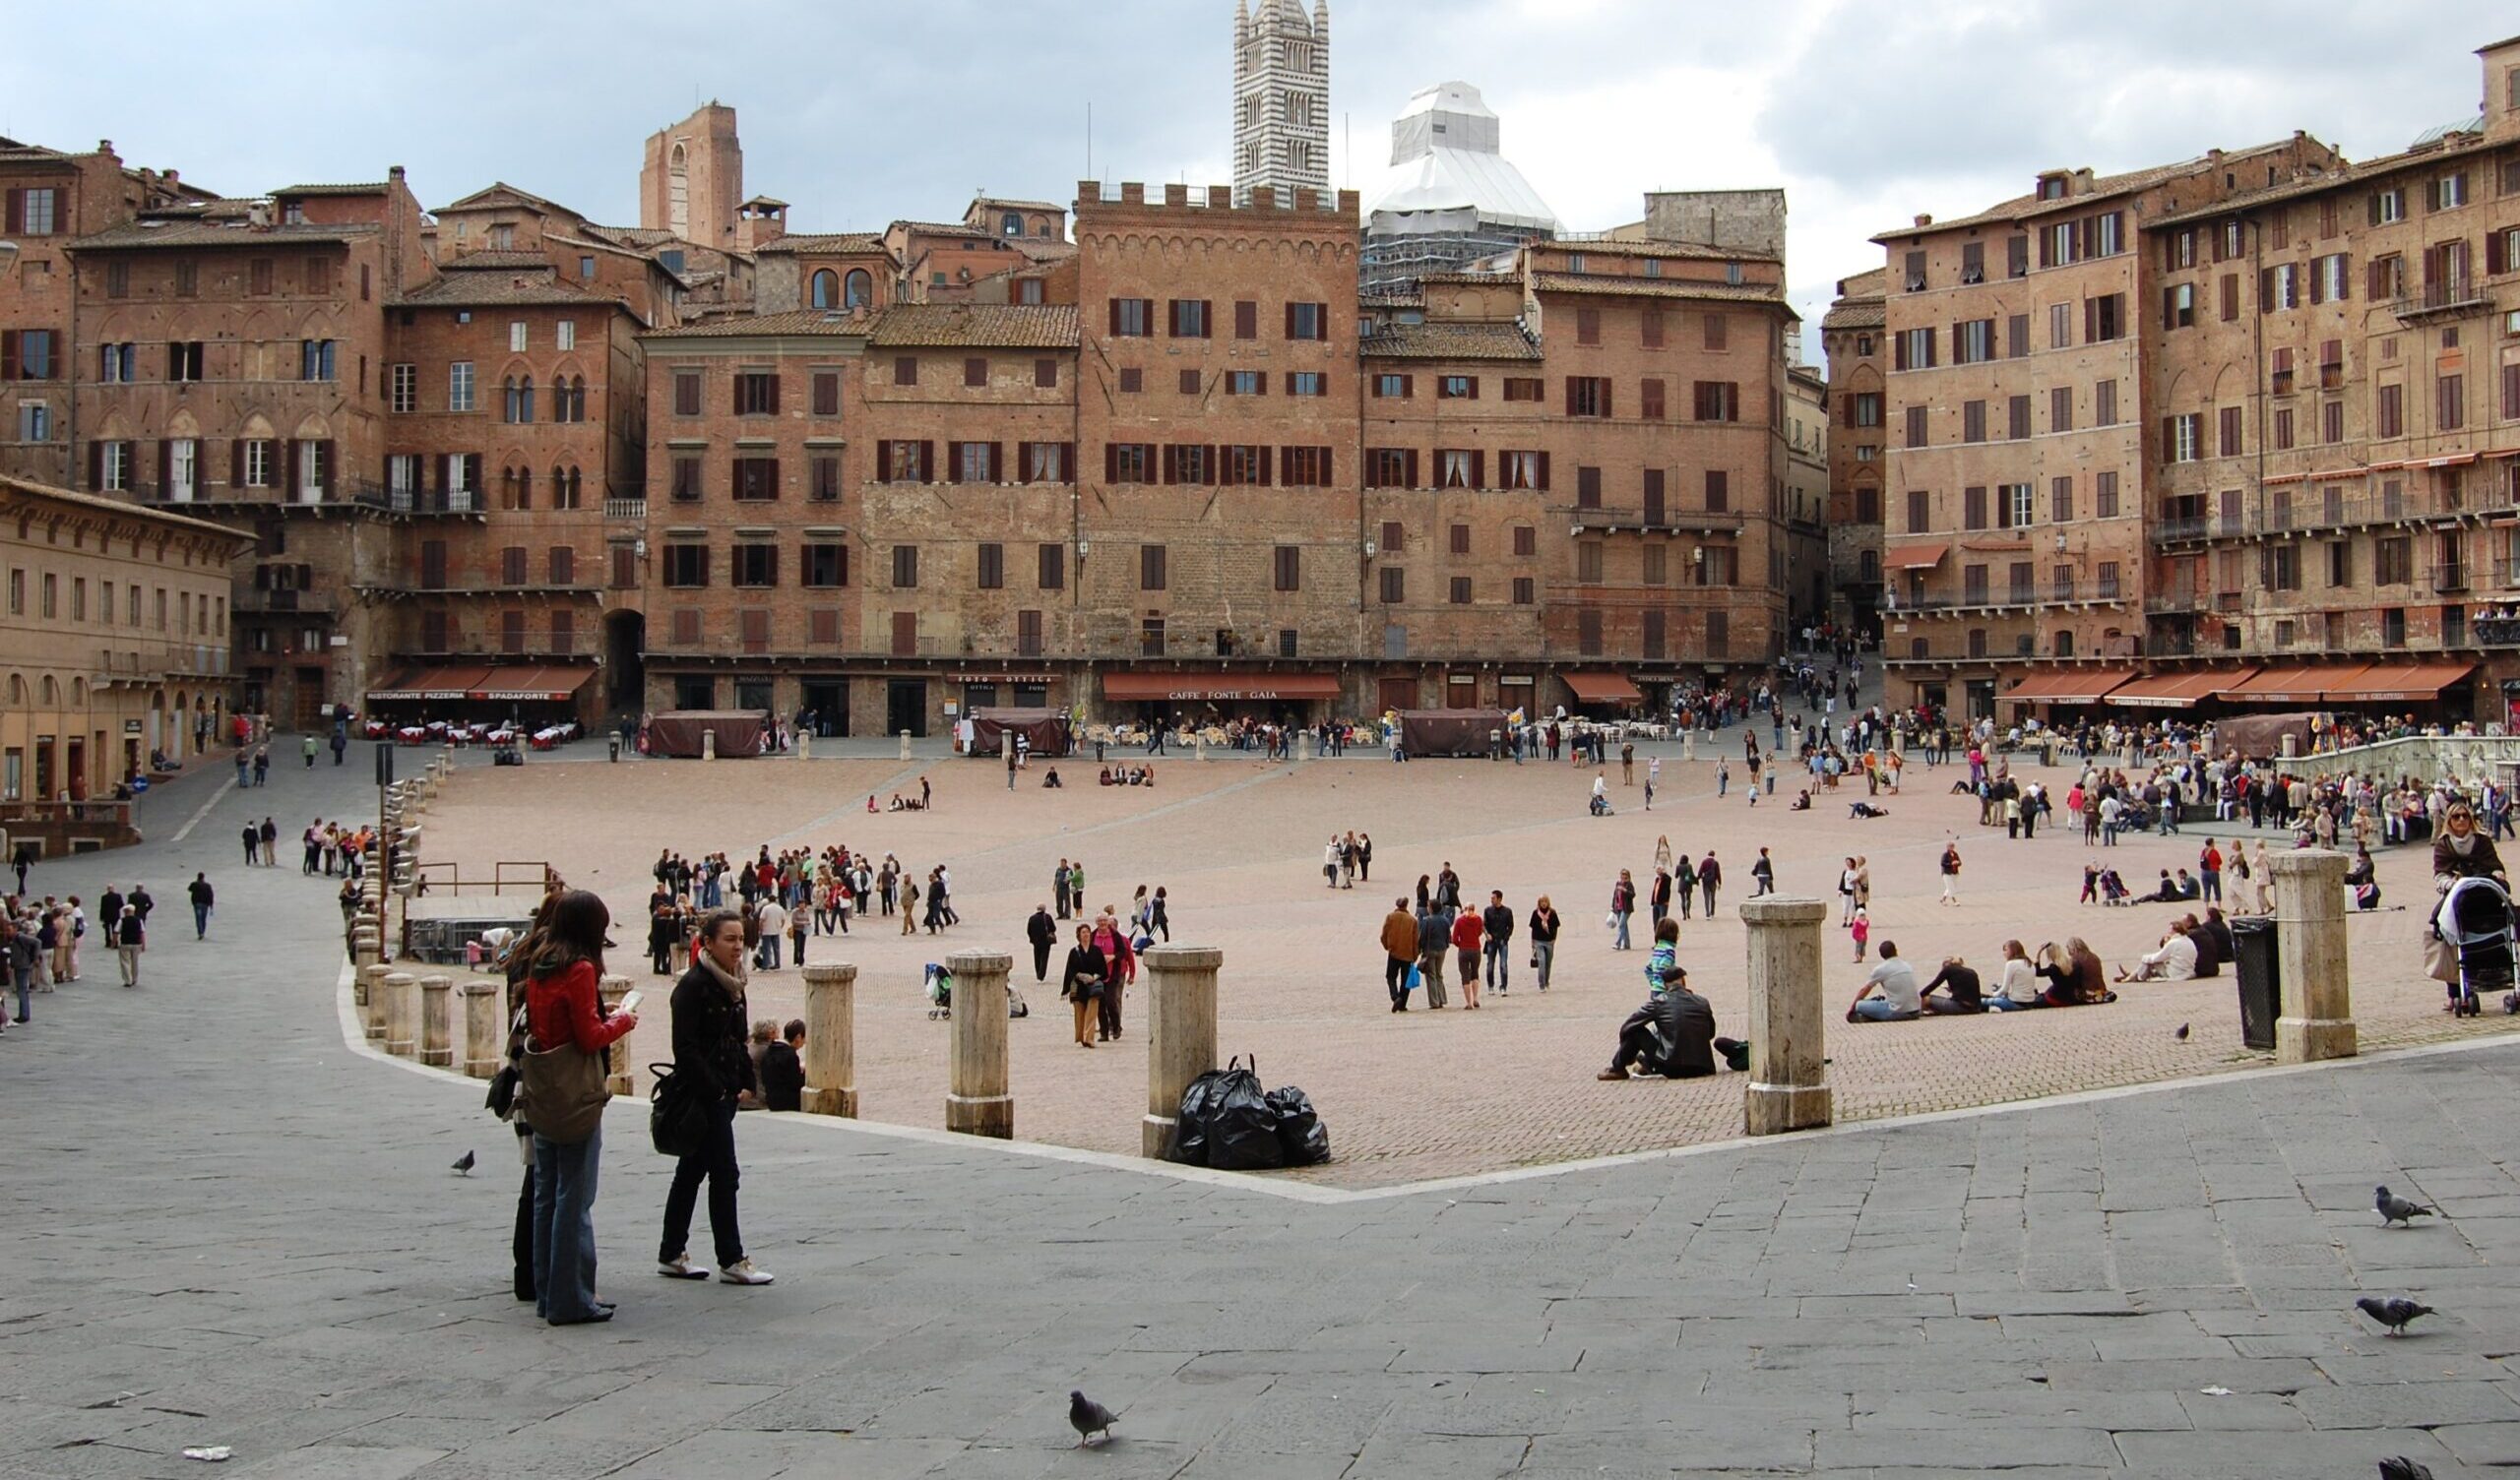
(802,320)
(2022,207)
(829,241)
(1649,248)
(1865,313)
(374,187)
(1656,287)
(2458,146)
(492,260)
(1449,342)
(467,289)
(993,200)
(1042,326)
(202,233)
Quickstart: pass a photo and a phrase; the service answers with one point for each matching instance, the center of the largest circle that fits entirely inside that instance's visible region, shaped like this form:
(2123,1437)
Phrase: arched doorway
(625,645)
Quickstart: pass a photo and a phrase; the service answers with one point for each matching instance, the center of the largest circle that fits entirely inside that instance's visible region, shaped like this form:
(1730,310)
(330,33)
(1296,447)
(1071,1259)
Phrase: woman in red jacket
(561,1008)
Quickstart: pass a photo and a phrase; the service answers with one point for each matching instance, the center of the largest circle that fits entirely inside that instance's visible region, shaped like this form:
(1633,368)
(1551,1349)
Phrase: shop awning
(2066,686)
(522,684)
(1602,688)
(1176,688)
(1915,557)
(430,683)
(2399,683)
(2176,691)
(2293,685)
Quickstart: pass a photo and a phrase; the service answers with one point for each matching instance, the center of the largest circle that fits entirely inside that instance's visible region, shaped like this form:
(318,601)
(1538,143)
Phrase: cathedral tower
(1281,99)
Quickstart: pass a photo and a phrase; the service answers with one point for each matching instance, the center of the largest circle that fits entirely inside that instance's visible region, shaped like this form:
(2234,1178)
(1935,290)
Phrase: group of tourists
(1479,943)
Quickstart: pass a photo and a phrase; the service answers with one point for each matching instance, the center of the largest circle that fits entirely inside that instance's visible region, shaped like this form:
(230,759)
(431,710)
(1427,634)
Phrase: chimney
(395,174)
(1923,218)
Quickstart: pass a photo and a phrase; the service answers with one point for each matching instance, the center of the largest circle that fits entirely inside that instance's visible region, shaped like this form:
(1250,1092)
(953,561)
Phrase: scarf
(2463,846)
(733,985)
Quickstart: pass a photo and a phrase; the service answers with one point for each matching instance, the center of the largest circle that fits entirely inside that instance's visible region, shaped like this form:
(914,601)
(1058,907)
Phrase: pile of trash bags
(1229,1124)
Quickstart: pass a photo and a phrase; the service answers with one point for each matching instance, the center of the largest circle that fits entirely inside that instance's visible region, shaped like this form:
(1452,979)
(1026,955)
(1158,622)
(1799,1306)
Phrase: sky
(860,114)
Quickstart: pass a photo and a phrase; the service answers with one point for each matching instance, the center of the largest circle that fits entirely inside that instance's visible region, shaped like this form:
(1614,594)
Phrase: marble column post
(905,745)
(831,1039)
(1789,1086)
(402,1011)
(437,1029)
(372,976)
(485,1033)
(1181,1035)
(977,1101)
(709,745)
(610,992)
(2315,1020)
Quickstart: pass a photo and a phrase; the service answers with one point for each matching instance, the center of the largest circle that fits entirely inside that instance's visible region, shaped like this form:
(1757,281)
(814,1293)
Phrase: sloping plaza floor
(1238,842)
(229,1227)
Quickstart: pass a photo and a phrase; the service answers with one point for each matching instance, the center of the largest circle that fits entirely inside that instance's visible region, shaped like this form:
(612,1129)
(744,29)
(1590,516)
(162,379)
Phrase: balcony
(1592,518)
(2449,298)
(422,500)
(629,509)
(2317,515)
(2447,579)
(260,601)
(2007,598)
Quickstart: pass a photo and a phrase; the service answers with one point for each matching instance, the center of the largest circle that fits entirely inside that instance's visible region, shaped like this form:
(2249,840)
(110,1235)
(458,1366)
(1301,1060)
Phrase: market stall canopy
(679,731)
(2398,683)
(2176,691)
(2290,684)
(1179,688)
(2068,686)
(1602,688)
(512,683)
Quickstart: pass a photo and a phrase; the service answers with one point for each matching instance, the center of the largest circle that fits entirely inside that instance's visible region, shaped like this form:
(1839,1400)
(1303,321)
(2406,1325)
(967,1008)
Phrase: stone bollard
(437,1030)
(1789,1086)
(905,745)
(1181,1035)
(2315,1020)
(976,1101)
(831,1040)
(1303,745)
(1898,743)
(709,745)
(804,745)
(373,976)
(366,948)
(484,1035)
(610,992)
(1689,745)
(1199,746)
(402,1009)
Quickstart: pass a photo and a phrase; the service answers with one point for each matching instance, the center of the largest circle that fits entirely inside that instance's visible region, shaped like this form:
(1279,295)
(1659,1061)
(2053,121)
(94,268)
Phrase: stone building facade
(1854,338)
(691,179)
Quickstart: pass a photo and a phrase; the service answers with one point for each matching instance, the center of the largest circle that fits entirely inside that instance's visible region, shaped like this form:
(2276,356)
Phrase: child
(1862,928)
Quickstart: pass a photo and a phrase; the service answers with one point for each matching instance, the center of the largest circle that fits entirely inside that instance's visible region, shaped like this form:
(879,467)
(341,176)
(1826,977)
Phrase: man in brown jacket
(1399,952)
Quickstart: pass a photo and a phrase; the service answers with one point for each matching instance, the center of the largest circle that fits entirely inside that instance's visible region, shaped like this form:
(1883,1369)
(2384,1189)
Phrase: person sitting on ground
(895,804)
(2166,893)
(765,1033)
(1673,1035)
(1050,779)
(2018,988)
(1890,994)
(1866,809)
(2189,887)
(2174,959)
(2075,978)
(1965,994)
(1107,776)
(783,1069)
(2214,942)
(1801,801)
(870,801)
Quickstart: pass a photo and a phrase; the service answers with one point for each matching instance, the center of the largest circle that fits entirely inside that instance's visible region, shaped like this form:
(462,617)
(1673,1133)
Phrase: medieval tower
(692,178)
(1281,99)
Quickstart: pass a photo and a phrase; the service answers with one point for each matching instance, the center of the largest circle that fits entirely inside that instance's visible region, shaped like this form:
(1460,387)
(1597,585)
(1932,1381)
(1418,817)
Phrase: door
(310,699)
(75,774)
(828,699)
(1399,694)
(906,706)
(43,769)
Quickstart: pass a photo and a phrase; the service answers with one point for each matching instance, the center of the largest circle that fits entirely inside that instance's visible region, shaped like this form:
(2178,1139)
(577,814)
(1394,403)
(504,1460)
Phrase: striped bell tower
(1281,99)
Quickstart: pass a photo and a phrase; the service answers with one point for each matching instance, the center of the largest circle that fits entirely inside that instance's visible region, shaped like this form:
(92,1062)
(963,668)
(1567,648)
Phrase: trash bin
(2261,981)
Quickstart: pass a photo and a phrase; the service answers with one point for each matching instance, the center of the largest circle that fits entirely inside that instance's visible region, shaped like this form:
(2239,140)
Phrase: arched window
(862,290)
(564,487)
(826,289)
(507,390)
(520,400)
(1013,225)
(507,487)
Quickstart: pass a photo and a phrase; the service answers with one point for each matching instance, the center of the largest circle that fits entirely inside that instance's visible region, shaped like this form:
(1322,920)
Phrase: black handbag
(677,1117)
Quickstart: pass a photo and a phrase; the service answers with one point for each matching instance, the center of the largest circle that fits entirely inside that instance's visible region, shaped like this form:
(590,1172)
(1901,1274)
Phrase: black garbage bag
(1190,1135)
(1300,1134)
(1242,1131)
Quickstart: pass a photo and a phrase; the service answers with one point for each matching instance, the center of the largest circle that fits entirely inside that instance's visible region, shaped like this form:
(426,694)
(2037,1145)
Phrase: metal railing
(2310,515)
(1633,517)
(621,508)
(509,876)
(2003,597)
(2450,295)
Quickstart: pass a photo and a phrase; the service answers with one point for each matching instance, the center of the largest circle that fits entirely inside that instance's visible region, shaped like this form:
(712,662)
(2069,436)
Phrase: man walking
(1627,763)
(253,842)
(1399,949)
(261,763)
(1041,931)
(1434,934)
(1709,875)
(1762,875)
(202,899)
(307,748)
(1499,923)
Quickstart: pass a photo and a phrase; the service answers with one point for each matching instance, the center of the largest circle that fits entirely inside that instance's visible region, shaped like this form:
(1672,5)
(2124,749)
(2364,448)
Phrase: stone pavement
(229,1227)
(1427,1094)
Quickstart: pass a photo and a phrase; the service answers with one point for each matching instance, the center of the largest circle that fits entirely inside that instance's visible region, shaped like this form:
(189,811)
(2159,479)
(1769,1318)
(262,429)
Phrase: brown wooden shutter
(1544,473)
(953,461)
(1023,461)
(926,462)
(472,473)
(1266,480)
(883,461)
(166,464)
(1322,472)
(236,463)
(14,219)
(1115,315)
(1214,470)
(2494,254)
(1111,462)
(1477,469)
(289,480)
(997,463)
(1409,468)
(1408,387)
(8,353)
(1171,463)
(1605,396)
(1290,321)
(1247,319)
(95,467)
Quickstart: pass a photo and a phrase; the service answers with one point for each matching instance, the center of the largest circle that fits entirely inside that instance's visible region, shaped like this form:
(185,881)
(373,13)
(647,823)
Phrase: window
(2389,415)
(1972,343)
(2182,437)
(2060,499)
(1973,504)
(1189,463)
(183,360)
(459,386)
(1393,585)
(1393,387)
(1132,380)
(2061,326)
(2329,276)
(826,393)
(1863,408)
(686,564)
(1129,462)
(118,279)
(2104,318)
(1588,562)
(1052,573)
(756,479)
(1657,567)
(2061,408)
(1916,417)
(2332,422)
(1190,318)
(905,370)
(901,461)
(1132,318)
(1246,382)
(904,566)
(2014,506)
(2105,403)
(2105,495)
(1307,383)
(1522,469)
(1287,568)
(1587,395)
(34,212)
(2226,432)
(1588,326)
(1522,388)
(826,564)
(2179,306)
(2279,286)
(2449,402)
(1307,320)
(1457,388)
(686,392)
(517,396)
(975,462)
(2450,191)
(315,359)
(974,372)
(1913,349)
(1523,590)
(2282,432)
(684,481)
(1245,466)
(1150,568)
(2392,559)
(35,421)
(1915,272)
(756,393)
(991,574)
(1973,422)
(1650,400)
(1719,491)
(1457,593)
(2017,416)
(1717,400)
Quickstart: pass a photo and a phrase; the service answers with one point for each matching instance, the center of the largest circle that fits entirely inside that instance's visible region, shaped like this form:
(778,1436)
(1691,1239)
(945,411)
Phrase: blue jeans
(2001,1004)
(770,953)
(1499,967)
(1546,954)
(1880,1010)
(25,981)
(564,1182)
(1620,944)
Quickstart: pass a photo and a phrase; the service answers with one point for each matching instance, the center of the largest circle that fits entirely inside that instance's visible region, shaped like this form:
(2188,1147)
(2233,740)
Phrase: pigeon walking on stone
(2181,1035)
(2403,1468)
(2393,1313)
(2397,1209)
(464,1165)
(1088,1417)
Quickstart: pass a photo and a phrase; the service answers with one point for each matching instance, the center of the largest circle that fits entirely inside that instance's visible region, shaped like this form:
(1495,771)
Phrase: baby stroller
(2475,919)
(2113,890)
(1600,805)
(939,986)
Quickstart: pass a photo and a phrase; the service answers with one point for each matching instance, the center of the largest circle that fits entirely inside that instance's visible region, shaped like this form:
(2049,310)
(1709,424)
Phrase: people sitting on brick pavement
(1890,994)
(1961,990)
(2174,959)
(1672,1035)
(1866,809)
(2075,978)
(2213,938)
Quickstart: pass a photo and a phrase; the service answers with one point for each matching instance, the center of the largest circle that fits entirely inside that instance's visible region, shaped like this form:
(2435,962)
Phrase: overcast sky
(860,113)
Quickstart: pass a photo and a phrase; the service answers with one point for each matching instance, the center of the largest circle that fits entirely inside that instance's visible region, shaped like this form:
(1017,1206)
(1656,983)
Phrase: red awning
(2176,691)
(520,685)
(1602,688)
(2067,686)
(1915,557)
(2399,683)
(2294,685)
(1175,688)
(440,685)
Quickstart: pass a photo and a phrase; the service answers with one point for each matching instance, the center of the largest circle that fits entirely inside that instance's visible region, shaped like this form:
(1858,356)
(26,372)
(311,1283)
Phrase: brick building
(2303,503)
(1852,337)
(1807,495)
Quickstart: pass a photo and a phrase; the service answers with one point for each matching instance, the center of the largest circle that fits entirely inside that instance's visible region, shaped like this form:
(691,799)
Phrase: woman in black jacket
(710,1061)
(1085,979)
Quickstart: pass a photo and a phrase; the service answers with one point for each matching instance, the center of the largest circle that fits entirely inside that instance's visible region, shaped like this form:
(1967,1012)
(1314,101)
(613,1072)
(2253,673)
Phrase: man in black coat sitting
(1673,1035)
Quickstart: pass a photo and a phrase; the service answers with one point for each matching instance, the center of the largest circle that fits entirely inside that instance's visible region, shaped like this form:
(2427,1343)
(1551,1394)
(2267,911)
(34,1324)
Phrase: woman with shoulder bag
(563,1097)
(710,1062)
(1084,981)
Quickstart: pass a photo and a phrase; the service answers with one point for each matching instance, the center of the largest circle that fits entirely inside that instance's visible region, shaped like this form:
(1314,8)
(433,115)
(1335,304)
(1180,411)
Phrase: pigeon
(2181,1035)
(2397,1209)
(464,1165)
(1088,1417)
(2393,1313)
(2403,1468)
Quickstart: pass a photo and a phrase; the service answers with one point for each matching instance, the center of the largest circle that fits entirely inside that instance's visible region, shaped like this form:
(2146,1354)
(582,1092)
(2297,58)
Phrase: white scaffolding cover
(1446,174)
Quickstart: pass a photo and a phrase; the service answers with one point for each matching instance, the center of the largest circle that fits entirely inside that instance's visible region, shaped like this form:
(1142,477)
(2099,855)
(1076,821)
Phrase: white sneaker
(682,1266)
(744,1273)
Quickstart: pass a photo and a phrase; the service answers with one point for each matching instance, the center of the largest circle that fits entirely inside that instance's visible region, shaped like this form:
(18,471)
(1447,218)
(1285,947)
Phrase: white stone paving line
(354,1033)
(184,832)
